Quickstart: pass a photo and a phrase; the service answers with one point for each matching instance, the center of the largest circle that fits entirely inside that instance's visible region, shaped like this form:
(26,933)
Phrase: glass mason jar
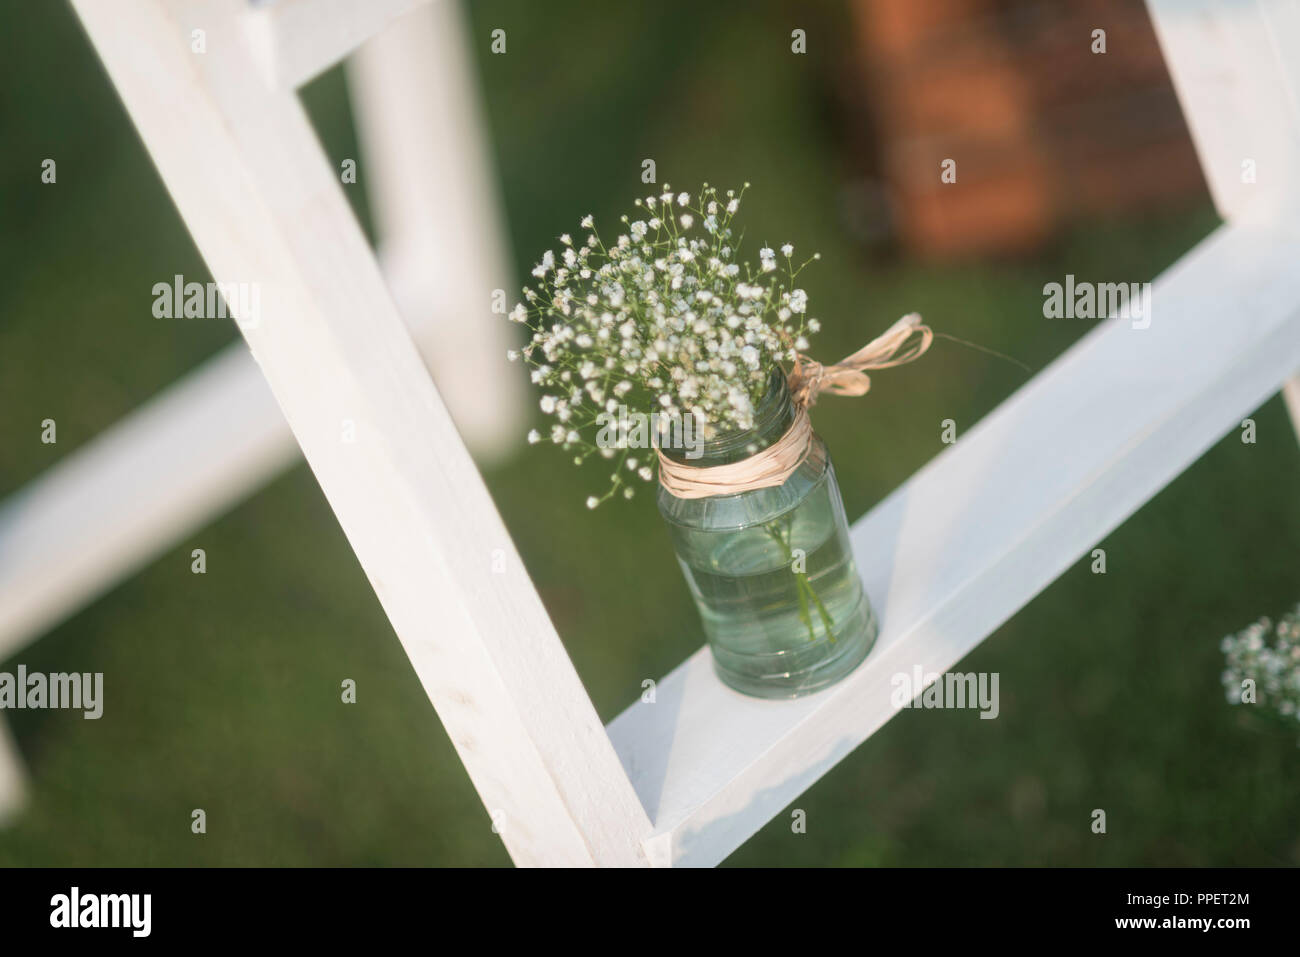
(770,569)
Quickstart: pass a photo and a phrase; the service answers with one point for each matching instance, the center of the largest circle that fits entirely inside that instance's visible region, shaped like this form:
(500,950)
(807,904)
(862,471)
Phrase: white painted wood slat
(414,89)
(263,204)
(1291,393)
(296,40)
(13,778)
(975,534)
(1236,68)
(1235,65)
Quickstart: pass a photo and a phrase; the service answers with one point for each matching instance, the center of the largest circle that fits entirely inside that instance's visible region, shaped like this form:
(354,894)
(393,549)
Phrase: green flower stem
(803,587)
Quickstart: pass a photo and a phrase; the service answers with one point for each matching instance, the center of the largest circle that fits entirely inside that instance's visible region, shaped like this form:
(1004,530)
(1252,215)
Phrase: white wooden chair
(946,558)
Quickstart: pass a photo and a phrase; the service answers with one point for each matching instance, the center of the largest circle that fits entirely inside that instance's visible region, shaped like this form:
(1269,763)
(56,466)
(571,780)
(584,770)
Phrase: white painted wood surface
(981,530)
(13,777)
(294,41)
(206,442)
(264,204)
(1291,395)
(1236,69)
(946,558)
(1235,65)
(414,91)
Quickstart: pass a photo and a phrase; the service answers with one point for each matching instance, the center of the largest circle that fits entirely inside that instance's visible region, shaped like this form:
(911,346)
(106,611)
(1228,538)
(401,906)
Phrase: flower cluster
(664,319)
(1273,667)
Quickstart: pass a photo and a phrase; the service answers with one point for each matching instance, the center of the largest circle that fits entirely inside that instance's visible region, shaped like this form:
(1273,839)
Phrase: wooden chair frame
(948,557)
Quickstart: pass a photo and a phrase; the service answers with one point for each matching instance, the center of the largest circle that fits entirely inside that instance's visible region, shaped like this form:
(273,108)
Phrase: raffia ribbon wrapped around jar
(904,341)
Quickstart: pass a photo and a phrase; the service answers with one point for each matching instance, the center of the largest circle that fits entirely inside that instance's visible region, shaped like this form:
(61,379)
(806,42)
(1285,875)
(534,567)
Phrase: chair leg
(13,777)
(1291,395)
(421,127)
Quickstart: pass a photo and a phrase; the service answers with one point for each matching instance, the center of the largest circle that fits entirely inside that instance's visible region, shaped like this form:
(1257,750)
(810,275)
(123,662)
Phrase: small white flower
(592,501)
(548,404)
(534,436)
(547,263)
(787,250)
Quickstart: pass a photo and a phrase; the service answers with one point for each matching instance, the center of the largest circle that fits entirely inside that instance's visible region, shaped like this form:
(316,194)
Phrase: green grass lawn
(222,690)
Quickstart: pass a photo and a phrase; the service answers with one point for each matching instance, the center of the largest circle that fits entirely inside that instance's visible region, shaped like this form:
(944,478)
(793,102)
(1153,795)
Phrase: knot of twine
(904,341)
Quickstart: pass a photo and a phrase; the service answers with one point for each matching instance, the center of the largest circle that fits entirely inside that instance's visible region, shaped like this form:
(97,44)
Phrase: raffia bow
(904,341)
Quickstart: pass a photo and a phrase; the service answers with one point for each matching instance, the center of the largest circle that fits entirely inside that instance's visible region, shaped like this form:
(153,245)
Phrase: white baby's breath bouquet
(666,318)
(1263,666)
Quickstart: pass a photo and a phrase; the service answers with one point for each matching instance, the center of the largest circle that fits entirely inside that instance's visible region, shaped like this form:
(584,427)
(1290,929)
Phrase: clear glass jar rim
(772,418)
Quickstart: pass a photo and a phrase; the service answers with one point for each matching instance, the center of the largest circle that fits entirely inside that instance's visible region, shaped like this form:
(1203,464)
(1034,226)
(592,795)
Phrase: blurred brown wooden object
(1042,129)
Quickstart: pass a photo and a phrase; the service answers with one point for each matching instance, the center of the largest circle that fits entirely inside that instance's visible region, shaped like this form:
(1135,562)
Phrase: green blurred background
(222,690)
